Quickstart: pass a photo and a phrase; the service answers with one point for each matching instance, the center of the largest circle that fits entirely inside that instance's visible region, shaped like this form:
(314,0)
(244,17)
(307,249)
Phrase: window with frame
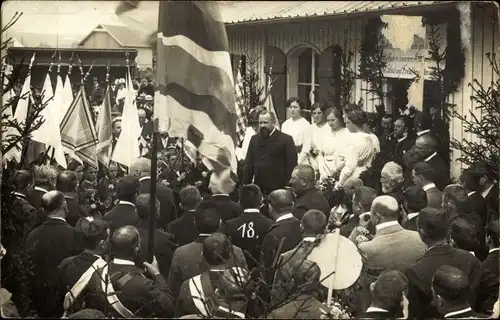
(307,79)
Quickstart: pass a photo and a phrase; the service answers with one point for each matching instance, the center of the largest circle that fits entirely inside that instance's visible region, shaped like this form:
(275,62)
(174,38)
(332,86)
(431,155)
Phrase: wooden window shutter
(278,72)
(328,73)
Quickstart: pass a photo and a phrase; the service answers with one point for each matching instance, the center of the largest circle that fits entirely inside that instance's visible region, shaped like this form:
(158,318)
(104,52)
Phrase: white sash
(113,300)
(199,299)
(82,283)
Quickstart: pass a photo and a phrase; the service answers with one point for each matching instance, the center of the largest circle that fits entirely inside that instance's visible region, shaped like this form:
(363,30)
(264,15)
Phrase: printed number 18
(247,230)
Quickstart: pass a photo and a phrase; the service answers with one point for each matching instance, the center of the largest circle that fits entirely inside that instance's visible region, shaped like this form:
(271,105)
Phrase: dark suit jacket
(72,268)
(247,232)
(270,162)
(147,130)
(183,229)
(165,195)
(492,203)
(489,274)
(287,230)
(411,224)
(227,208)
(142,296)
(401,148)
(35,199)
(421,273)
(188,261)
(311,199)
(434,197)
(164,247)
(476,203)
(48,245)
(440,172)
(26,217)
(305,306)
(75,210)
(123,214)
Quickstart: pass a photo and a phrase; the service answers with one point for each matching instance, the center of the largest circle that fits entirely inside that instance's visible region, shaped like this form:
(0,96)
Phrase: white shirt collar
(309,239)
(403,138)
(493,250)
(431,156)
(380,226)
(123,262)
(252,210)
(428,186)
(284,217)
(220,194)
(375,309)
(454,313)
(487,191)
(126,202)
(144,178)
(412,215)
(472,252)
(204,235)
(58,218)
(272,131)
(470,193)
(423,132)
(40,189)
(20,195)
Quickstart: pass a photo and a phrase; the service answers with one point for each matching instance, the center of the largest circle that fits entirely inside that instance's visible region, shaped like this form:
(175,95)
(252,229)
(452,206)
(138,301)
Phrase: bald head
(125,242)
(66,181)
(386,208)
(141,167)
(281,201)
(313,222)
(54,204)
(142,204)
(426,142)
(303,178)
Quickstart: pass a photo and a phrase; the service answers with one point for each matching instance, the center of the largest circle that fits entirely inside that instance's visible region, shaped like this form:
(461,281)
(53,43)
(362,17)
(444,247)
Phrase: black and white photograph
(250,159)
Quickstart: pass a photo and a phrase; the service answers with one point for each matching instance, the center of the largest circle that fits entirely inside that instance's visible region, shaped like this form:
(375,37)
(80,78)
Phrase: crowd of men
(430,247)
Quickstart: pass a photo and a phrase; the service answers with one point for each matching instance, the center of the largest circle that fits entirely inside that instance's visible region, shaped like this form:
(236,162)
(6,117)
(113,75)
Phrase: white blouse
(299,130)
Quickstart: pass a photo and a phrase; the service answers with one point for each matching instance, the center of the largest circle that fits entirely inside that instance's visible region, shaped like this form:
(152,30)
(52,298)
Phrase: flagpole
(25,133)
(152,193)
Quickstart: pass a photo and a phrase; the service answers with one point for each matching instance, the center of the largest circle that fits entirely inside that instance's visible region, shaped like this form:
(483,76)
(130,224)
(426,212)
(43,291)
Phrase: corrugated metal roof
(234,12)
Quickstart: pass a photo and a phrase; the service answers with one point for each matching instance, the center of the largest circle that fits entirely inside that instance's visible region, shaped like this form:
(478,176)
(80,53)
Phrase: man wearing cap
(75,271)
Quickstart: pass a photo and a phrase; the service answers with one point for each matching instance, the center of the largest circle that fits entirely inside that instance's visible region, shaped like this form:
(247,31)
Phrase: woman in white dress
(332,145)
(319,135)
(297,127)
(360,151)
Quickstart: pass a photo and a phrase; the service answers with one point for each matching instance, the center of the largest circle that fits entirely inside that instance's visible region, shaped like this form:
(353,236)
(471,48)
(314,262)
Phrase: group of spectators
(430,247)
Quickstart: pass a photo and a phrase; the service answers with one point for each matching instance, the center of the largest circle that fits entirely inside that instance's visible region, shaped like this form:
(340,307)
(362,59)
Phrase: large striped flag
(127,147)
(49,133)
(196,88)
(105,130)
(78,132)
(241,120)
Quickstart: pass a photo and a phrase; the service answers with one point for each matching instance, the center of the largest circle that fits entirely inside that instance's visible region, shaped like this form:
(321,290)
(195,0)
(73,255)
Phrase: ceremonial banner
(196,88)
(49,133)
(241,120)
(105,130)
(59,99)
(78,133)
(268,102)
(67,97)
(127,147)
(20,115)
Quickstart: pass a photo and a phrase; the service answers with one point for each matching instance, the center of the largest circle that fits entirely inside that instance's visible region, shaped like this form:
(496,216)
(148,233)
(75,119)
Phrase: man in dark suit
(67,183)
(492,236)
(361,202)
(303,183)
(423,175)
(45,179)
(248,230)
(451,292)
(488,189)
(415,201)
(404,141)
(183,228)
(95,234)
(146,126)
(388,295)
(124,213)
(116,125)
(286,229)
(227,208)
(433,229)
(440,169)
(24,212)
(386,137)
(220,288)
(270,151)
(188,260)
(164,246)
(48,245)
(168,210)
(475,202)
(138,295)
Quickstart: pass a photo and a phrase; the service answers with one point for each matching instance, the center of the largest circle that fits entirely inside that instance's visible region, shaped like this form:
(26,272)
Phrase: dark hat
(415,198)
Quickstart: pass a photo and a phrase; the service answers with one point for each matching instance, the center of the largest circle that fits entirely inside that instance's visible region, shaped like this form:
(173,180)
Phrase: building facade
(297,41)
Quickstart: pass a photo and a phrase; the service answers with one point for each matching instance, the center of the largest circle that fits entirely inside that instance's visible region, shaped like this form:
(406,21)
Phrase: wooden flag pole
(25,133)
(152,193)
